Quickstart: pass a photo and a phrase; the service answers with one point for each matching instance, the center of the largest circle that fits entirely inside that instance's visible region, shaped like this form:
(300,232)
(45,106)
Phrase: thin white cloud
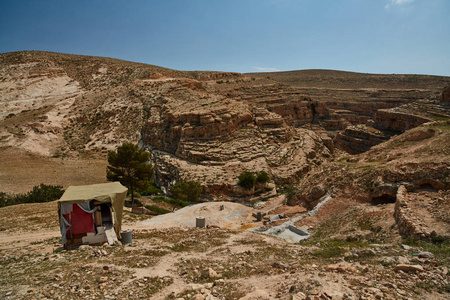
(400,2)
(392,3)
(263,69)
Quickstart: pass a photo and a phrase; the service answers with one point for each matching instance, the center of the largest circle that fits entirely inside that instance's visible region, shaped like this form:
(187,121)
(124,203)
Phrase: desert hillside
(207,126)
(358,163)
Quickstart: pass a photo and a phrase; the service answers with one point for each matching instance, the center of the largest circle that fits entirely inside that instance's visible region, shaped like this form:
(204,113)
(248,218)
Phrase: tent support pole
(71,232)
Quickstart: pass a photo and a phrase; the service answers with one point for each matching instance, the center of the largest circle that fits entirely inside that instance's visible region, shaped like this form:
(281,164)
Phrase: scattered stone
(209,273)
(299,296)
(342,268)
(280,265)
(194,287)
(408,268)
(425,255)
(109,268)
(256,295)
(87,266)
(403,260)
(103,279)
(208,285)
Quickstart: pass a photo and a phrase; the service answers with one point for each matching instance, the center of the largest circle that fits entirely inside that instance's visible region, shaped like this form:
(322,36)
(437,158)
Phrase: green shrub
(157,209)
(152,190)
(291,192)
(262,177)
(187,191)
(441,249)
(45,193)
(176,202)
(137,203)
(39,194)
(247,180)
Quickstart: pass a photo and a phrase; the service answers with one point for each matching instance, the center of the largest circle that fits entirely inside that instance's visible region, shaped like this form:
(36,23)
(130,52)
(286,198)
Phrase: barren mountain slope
(367,184)
(207,126)
(182,117)
(363,94)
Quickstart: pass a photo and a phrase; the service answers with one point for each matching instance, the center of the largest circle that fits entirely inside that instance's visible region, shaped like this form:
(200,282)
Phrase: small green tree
(187,191)
(247,180)
(128,164)
(262,177)
(291,194)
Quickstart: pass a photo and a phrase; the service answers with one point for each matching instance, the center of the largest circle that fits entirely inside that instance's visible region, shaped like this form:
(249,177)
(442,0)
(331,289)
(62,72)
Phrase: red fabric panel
(82,222)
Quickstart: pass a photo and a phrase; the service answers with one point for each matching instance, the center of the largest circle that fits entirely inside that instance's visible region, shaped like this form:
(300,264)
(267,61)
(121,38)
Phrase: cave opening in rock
(383,199)
(427,187)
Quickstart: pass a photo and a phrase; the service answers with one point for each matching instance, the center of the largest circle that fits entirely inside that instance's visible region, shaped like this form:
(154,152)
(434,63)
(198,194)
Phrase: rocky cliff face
(358,139)
(214,138)
(206,126)
(398,120)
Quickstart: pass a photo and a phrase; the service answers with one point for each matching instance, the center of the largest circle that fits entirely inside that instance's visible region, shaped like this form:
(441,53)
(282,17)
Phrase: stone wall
(408,224)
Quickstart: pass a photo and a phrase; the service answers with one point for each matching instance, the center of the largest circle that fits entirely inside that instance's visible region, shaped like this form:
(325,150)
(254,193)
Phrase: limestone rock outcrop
(205,126)
(397,120)
(358,139)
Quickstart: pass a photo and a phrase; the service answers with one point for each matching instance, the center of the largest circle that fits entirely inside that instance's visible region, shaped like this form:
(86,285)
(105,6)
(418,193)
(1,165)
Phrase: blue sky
(371,36)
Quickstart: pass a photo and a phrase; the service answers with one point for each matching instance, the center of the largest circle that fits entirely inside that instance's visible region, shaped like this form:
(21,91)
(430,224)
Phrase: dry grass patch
(29,217)
(182,240)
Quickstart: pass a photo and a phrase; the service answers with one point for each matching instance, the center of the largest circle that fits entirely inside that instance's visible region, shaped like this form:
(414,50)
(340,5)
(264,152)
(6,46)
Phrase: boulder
(425,255)
(103,279)
(318,191)
(408,268)
(209,273)
(257,295)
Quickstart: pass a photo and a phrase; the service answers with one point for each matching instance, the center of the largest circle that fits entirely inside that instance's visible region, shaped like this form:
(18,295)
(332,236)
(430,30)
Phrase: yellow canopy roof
(107,192)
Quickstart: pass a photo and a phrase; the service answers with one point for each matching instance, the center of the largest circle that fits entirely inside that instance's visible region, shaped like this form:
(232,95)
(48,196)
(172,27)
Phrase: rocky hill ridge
(208,126)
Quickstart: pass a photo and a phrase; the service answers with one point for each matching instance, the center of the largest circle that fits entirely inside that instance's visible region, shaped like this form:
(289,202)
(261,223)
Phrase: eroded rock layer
(205,126)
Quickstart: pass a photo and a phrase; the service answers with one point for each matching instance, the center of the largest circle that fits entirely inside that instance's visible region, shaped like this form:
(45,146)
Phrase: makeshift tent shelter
(91,214)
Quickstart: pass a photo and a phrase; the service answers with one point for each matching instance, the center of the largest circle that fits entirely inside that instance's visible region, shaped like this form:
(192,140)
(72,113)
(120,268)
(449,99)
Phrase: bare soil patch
(20,171)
